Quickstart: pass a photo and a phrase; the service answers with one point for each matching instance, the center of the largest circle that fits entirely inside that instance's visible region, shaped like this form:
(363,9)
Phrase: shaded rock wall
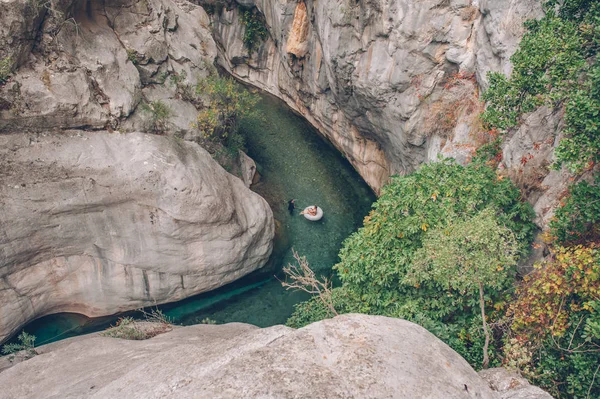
(99,223)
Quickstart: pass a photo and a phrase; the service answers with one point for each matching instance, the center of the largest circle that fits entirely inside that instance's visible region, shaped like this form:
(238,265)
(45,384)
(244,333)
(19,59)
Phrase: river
(293,162)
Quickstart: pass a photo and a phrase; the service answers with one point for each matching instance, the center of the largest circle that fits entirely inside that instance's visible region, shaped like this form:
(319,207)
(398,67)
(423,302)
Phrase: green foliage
(466,253)
(5,65)
(159,114)
(468,256)
(581,146)
(255,30)
(24,347)
(556,320)
(376,260)
(226,103)
(554,64)
(577,220)
(132,56)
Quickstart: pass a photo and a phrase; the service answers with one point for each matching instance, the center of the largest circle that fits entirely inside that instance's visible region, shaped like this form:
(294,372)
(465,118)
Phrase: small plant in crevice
(25,347)
(159,114)
(255,30)
(5,65)
(132,56)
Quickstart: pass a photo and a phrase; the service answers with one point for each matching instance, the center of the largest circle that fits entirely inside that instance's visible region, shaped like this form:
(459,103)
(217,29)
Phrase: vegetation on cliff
(443,240)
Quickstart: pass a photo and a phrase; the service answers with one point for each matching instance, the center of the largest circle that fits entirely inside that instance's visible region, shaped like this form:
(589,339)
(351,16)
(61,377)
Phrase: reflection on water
(294,163)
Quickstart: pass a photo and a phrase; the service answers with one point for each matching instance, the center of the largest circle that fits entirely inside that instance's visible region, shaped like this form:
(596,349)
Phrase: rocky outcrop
(369,74)
(510,385)
(96,63)
(351,356)
(99,223)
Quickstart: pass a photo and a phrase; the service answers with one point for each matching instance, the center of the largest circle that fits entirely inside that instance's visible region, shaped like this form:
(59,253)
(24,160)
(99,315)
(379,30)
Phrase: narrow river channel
(294,162)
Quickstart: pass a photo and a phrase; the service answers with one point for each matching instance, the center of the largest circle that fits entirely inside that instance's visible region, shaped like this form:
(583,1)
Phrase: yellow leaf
(424,226)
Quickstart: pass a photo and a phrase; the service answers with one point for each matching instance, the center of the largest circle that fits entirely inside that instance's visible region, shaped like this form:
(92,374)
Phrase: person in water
(291,206)
(312,211)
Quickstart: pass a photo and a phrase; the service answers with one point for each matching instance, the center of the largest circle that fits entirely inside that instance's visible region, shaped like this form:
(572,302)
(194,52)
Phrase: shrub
(5,65)
(255,30)
(576,221)
(159,114)
(25,347)
(556,324)
(132,56)
(155,323)
(226,103)
(555,64)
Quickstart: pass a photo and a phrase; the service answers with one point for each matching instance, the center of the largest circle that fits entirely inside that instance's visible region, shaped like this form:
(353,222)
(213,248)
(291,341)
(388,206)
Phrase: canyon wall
(376,77)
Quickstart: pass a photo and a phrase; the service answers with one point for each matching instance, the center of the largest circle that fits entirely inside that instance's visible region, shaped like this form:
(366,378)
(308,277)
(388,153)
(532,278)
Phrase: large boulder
(99,223)
(350,356)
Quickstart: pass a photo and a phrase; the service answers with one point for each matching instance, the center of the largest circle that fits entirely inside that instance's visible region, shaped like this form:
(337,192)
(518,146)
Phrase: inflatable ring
(312,218)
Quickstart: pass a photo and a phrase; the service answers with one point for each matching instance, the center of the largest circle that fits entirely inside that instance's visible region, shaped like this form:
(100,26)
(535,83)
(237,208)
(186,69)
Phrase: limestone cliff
(99,223)
(369,74)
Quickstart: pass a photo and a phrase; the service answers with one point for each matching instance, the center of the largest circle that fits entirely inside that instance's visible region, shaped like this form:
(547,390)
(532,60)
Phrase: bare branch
(301,277)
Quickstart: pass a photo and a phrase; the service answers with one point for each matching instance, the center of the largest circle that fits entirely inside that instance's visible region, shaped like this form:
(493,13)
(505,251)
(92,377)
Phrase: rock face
(391,83)
(94,63)
(512,386)
(351,356)
(99,223)
(369,74)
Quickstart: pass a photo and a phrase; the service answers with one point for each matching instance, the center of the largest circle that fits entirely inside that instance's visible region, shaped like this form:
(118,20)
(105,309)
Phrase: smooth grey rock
(511,385)
(247,168)
(99,223)
(350,356)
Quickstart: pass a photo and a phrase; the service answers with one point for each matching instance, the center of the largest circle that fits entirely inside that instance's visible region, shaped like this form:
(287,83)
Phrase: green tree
(225,103)
(468,256)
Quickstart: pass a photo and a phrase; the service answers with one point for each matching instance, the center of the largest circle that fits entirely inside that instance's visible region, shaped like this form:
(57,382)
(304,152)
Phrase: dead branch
(301,277)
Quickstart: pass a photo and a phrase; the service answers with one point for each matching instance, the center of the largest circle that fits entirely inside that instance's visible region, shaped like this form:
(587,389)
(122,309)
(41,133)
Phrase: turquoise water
(294,162)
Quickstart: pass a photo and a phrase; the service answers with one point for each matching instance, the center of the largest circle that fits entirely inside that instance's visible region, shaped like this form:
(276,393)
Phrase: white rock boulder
(99,223)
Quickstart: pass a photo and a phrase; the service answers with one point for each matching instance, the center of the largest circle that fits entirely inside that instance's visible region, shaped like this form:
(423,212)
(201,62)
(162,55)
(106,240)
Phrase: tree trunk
(486,359)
